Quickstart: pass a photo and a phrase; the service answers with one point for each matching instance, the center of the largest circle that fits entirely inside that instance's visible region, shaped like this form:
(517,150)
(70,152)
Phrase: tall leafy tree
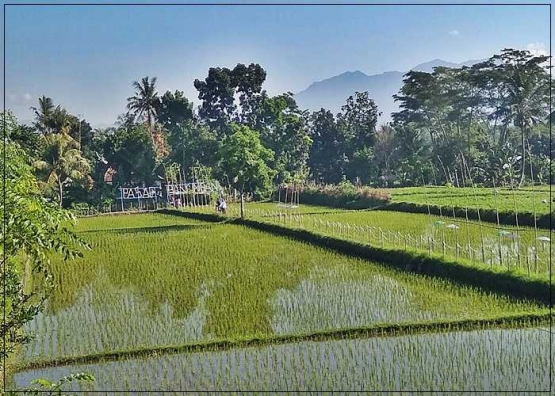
(28,139)
(442,106)
(385,149)
(193,144)
(283,129)
(50,118)
(62,163)
(327,158)
(357,121)
(130,153)
(217,95)
(525,83)
(245,161)
(248,81)
(174,110)
(33,230)
(218,91)
(481,114)
(359,117)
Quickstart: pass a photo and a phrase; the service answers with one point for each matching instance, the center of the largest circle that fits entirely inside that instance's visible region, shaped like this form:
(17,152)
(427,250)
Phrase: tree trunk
(60,192)
(242,205)
(150,131)
(523,137)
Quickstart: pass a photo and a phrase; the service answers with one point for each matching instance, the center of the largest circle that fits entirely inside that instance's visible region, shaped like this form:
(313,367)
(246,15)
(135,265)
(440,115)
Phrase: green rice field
(525,199)
(492,360)
(129,221)
(158,280)
(506,247)
(525,249)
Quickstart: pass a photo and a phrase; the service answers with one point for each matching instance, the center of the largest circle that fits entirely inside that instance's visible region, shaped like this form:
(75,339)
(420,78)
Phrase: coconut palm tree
(143,104)
(62,162)
(43,114)
(526,83)
(50,118)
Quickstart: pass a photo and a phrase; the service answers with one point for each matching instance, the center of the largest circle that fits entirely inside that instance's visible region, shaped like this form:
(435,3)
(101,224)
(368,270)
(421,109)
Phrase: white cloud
(11,98)
(537,49)
(454,33)
(18,99)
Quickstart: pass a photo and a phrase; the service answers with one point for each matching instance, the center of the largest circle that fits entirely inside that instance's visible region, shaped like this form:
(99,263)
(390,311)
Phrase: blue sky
(86,57)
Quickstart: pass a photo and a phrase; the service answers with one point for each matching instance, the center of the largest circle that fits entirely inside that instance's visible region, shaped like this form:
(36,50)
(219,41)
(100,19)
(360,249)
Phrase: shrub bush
(344,195)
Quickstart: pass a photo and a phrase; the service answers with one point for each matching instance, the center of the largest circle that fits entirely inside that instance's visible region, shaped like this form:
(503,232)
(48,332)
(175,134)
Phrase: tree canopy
(485,124)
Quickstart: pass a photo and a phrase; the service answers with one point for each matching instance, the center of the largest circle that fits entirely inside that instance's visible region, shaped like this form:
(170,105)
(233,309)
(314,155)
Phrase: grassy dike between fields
(515,283)
(525,219)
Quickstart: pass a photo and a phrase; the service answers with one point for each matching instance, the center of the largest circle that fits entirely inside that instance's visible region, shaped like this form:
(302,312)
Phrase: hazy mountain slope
(429,66)
(331,93)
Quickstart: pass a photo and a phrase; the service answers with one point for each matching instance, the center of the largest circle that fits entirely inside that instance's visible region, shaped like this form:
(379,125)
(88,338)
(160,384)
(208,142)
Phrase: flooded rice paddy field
(493,360)
(144,289)
(503,246)
(158,280)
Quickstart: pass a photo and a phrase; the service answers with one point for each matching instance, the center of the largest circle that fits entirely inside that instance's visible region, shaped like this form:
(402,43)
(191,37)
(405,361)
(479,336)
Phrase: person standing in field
(223,205)
(218,202)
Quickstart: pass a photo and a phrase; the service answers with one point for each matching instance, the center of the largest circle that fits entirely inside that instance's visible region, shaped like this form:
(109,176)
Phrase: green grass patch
(528,206)
(479,198)
(130,220)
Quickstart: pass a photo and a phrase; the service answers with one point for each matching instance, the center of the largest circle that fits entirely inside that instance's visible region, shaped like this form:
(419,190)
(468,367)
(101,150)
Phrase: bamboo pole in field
(455,217)
(434,176)
(177,185)
(534,209)
(427,202)
(193,188)
(517,228)
(477,209)
(467,171)
(498,226)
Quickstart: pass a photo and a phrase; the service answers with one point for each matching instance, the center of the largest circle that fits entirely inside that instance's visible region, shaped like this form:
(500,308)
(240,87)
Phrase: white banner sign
(139,192)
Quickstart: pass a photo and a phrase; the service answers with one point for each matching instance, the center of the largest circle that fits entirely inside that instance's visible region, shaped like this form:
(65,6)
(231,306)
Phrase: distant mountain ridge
(428,67)
(332,93)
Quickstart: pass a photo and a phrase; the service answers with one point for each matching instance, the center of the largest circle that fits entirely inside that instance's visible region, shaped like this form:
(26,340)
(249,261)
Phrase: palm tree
(143,104)
(526,84)
(62,162)
(50,119)
(43,114)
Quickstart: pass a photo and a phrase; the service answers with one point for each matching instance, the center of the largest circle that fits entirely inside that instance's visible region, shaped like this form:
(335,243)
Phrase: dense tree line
(486,124)
(34,230)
